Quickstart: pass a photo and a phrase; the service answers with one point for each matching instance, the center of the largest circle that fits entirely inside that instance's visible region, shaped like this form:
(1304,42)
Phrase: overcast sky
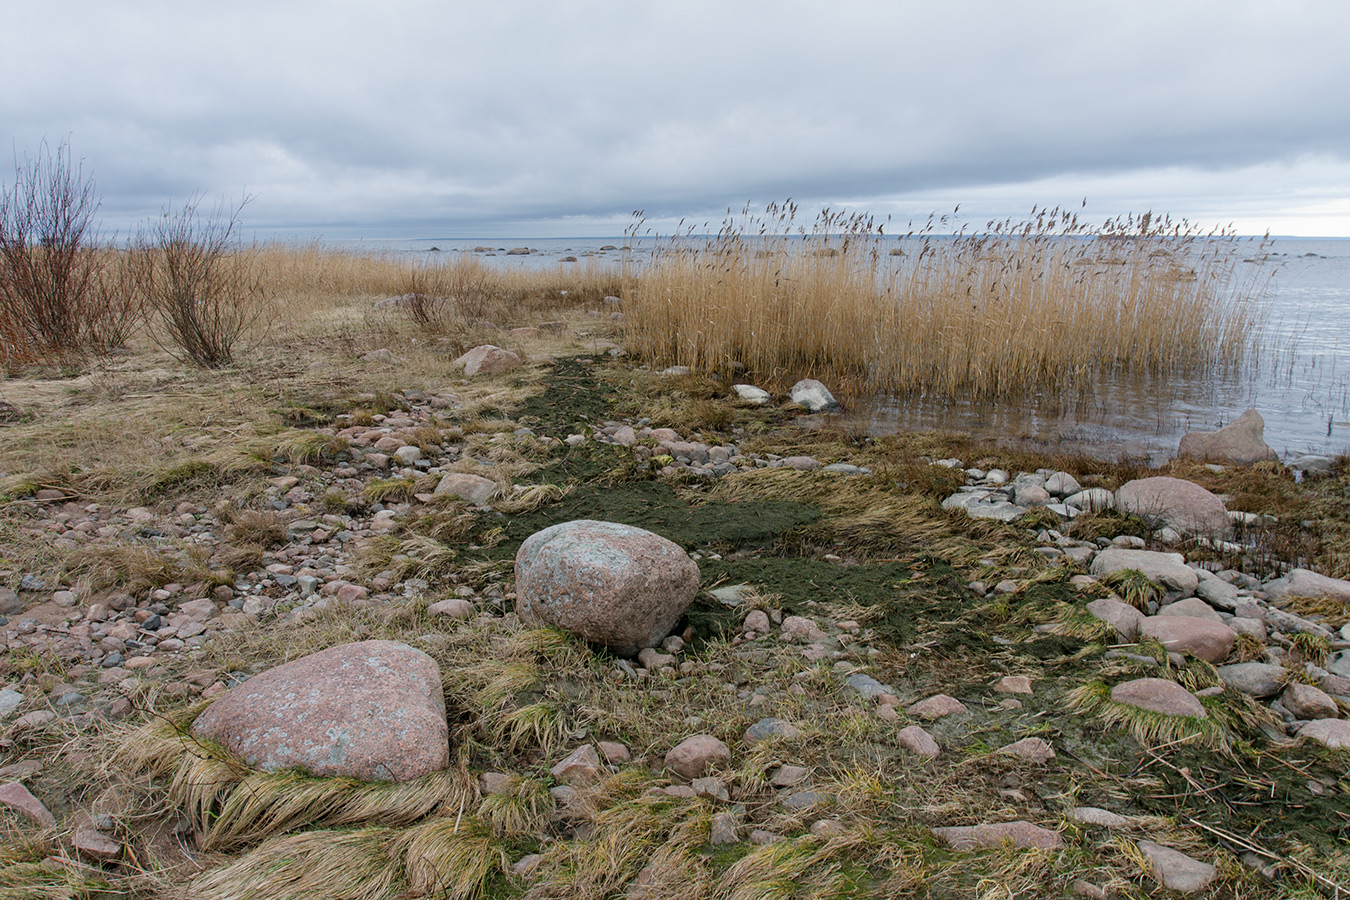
(500,119)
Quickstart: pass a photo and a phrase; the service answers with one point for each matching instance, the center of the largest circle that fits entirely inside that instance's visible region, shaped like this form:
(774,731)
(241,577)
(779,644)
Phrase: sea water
(1300,383)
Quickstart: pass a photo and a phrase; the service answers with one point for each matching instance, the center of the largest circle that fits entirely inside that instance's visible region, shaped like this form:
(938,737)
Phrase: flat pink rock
(371,710)
(1159,695)
(936,707)
(1201,638)
(1019,834)
(17,797)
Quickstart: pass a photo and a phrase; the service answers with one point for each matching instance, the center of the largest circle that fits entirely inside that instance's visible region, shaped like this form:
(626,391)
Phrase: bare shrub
(449,297)
(48,269)
(120,308)
(200,285)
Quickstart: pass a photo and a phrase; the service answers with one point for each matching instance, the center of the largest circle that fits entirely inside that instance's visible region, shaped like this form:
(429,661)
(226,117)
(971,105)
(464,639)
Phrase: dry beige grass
(1021,306)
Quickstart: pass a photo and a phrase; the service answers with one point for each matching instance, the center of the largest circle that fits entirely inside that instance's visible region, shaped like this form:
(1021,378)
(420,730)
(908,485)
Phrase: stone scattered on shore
(474,488)
(1021,835)
(751,394)
(372,710)
(1202,638)
(1159,695)
(614,585)
(1175,503)
(694,756)
(1306,583)
(1176,870)
(486,360)
(1167,569)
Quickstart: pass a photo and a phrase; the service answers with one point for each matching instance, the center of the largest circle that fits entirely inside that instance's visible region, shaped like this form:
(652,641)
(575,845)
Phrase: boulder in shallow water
(813,395)
(1242,441)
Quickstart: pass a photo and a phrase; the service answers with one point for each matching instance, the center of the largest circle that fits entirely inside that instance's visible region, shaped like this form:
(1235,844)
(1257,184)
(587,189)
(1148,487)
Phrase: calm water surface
(1301,385)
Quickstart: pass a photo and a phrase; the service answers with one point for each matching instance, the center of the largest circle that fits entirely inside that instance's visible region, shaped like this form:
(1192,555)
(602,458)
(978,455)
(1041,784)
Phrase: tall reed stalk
(1045,304)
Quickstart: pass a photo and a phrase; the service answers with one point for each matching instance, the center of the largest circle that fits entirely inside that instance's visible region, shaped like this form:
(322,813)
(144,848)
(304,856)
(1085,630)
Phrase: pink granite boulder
(1241,441)
(371,710)
(1175,502)
(1202,638)
(615,585)
(1159,695)
(694,756)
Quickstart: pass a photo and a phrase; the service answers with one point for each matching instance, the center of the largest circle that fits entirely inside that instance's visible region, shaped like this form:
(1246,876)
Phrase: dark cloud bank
(431,119)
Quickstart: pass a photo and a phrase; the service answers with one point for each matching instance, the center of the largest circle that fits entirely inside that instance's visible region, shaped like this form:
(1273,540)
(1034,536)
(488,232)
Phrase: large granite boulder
(1241,441)
(1201,638)
(1167,569)
(1307,583)
(615,585)
(372,710)
(1159,695)
(1175,502)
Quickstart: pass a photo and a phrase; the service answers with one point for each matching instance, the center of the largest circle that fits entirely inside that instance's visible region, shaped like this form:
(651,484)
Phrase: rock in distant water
(1176,503)
(486,360)
(614,585)
(1241,441)
(372,710)
(813,395)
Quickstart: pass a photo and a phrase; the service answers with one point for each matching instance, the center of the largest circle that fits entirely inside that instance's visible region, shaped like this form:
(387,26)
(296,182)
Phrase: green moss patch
(656,507)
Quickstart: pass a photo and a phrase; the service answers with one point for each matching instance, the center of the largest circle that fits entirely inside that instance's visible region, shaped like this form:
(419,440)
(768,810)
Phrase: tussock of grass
(137,567)
(454,857)
(805,867)
(1149,728)
(261,527)
(343,865)
(1331,612)
(1133,587)
(521,812)
(1309,648)
(869,521)
(531,498)
(391,490)
(233,805)
(627,834)
(40,881)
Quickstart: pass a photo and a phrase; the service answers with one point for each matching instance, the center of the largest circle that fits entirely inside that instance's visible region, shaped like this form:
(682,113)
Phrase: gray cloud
(431,118)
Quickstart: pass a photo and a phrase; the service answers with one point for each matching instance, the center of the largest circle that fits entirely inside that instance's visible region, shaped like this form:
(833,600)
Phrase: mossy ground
(877,552)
